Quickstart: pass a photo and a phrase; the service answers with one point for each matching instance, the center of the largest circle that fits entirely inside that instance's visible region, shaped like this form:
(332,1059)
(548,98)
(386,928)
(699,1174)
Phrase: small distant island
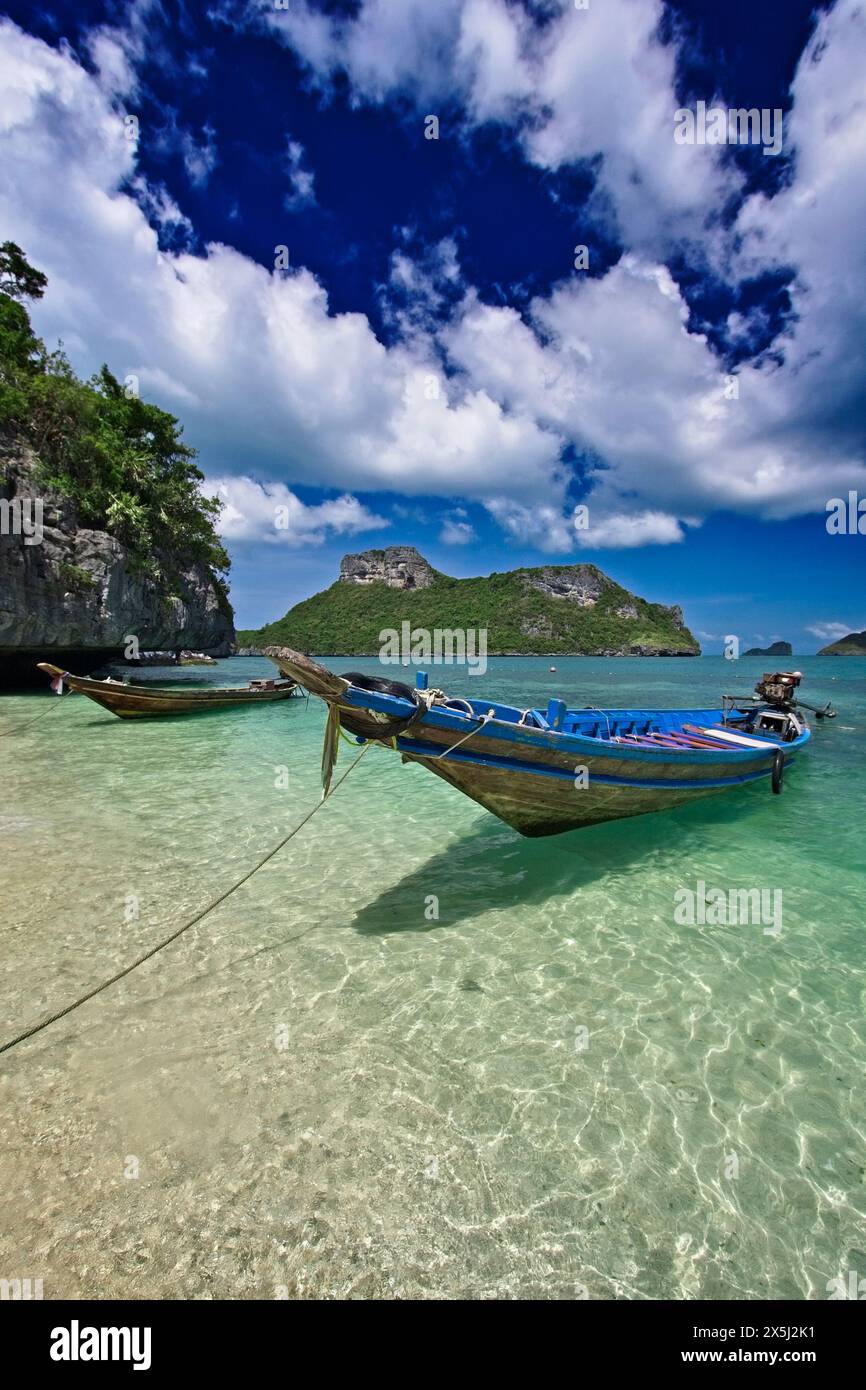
(776,649)
(552,610)
(852,645)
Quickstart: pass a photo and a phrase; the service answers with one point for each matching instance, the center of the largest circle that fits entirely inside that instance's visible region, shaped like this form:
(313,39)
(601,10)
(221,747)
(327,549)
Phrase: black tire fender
(378,683)
(778,771)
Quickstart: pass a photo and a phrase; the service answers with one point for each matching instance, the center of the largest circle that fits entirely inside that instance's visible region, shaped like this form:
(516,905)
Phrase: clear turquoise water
(326,1094)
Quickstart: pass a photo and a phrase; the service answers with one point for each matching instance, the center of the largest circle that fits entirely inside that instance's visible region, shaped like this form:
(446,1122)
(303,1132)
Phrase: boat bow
(308,673)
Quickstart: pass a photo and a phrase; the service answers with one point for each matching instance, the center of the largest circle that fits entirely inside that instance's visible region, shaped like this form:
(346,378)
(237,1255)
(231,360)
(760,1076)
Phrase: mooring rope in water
(128,969)
(26,725)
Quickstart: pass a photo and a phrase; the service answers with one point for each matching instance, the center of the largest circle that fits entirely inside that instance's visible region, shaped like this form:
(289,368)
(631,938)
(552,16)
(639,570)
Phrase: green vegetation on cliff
(519,616)
(120,459)
(852,645)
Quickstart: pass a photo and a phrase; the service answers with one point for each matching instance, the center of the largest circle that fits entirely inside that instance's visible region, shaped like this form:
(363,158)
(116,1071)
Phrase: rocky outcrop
(537,626)
(68,591)
(580,584)
(585,585)
(648,649)
(776,649)
(398,566)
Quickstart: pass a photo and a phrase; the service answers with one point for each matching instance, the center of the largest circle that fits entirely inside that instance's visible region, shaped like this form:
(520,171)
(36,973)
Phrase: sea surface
(324,1090)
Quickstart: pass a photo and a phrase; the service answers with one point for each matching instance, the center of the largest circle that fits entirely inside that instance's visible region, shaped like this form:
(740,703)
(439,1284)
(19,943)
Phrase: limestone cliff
(74,595)
(399,566)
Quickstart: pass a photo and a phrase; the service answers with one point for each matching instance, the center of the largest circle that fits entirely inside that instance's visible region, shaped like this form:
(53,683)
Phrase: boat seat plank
(739,739)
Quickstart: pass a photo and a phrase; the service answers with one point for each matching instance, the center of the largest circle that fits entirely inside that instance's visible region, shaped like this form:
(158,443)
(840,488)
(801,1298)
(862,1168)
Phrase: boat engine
(778,687)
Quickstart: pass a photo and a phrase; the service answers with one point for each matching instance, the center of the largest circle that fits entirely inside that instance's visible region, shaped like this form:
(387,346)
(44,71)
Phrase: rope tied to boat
(199,916)
(334,731)
(485,719)
(425,701)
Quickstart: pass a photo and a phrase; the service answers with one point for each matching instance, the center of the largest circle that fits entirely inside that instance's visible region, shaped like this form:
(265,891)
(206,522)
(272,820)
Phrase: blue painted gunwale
(565,742)
(430,750)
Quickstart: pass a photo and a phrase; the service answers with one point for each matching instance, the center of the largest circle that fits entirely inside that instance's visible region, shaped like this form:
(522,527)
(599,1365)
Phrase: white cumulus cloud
(830,632)
(578,85)
(275,381)
(472,400)
(456,530)
(254,511)
(302,191)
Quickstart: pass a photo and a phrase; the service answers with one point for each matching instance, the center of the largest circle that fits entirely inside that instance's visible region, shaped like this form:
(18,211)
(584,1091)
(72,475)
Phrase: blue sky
(430,367)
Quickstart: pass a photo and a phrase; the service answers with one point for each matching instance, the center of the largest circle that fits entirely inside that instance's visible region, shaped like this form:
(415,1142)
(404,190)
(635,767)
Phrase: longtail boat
(142,701)
(548,771)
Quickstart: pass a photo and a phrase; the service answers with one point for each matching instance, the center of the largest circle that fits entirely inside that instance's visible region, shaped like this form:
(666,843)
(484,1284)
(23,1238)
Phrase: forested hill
(551,610)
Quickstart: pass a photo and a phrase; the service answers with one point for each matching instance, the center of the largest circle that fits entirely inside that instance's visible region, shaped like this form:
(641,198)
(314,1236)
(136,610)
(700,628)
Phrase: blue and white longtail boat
(547,771)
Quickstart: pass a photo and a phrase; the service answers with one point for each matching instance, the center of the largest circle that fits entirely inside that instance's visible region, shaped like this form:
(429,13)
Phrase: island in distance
(545,611)
(852,645)
(777,649)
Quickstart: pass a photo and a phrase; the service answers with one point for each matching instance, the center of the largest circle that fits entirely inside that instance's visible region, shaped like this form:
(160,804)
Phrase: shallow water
(554,1090)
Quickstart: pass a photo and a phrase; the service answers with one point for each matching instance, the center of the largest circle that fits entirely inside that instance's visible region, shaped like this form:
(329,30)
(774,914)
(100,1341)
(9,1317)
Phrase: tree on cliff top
(18,278)
(120,458)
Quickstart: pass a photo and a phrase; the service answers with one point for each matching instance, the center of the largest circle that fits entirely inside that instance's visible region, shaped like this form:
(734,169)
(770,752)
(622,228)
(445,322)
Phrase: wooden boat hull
(550,802)
(542,781)
(143,702)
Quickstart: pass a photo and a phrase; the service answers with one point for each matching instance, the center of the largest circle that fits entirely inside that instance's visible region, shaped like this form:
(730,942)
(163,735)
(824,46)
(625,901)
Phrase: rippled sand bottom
(322,1090)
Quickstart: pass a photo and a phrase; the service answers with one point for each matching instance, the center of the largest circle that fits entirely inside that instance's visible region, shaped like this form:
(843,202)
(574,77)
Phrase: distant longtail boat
(548,771)
(143,701)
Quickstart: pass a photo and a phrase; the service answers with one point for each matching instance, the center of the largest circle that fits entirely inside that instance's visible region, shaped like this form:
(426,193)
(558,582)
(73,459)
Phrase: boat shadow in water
(494,869)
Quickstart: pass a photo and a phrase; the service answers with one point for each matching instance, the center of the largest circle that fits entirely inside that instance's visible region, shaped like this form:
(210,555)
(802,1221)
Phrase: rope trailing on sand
(199,916)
